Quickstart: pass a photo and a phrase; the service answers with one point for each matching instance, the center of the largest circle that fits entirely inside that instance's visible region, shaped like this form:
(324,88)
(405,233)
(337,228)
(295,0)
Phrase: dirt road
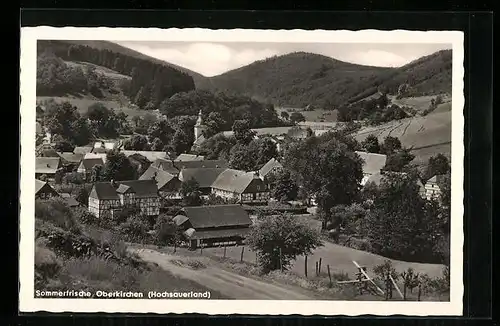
(227,283)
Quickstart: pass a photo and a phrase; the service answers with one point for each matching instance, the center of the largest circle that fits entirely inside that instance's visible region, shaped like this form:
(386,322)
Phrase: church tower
(199,127)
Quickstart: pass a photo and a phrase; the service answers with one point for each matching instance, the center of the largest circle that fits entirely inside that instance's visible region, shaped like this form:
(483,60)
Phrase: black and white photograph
(241,171)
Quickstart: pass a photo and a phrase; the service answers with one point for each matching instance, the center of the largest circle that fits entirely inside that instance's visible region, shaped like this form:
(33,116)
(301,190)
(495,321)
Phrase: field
(428,135)
(83,103)
(422,103)
(99,69)
(338,257)
(314,116)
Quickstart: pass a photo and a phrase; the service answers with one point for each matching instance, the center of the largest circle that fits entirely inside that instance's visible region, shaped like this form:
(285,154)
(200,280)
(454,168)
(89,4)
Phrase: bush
(166,231)
(84,216)
(56,211)
(46,263)
(74,178)
(135,229)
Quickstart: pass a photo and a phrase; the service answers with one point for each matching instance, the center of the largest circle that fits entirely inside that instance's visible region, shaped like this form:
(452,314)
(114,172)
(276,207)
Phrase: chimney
(48,165)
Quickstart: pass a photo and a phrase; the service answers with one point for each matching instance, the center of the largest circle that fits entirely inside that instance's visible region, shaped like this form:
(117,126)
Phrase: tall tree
(297,117)
(370,144)
(278,240)
(242,132)
(118,167)
(283,187)
(190,192)
(391,145)
(437,165)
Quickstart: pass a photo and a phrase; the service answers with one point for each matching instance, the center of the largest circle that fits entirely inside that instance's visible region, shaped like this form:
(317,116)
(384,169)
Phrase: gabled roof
(174,167)
(271,164)
(204,176)
(40,185)
(373,163)
(235,181)
(150,155)
(47,165)
(189,157)
(82,150)
(180,219)
(141,188)
(89,163)
(46,150)
(162,177)
(104,191)
(202,217)
(436,179)
(71,157)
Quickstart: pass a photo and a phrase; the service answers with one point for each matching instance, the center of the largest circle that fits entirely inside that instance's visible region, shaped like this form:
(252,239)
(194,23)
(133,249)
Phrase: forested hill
(62,46)
(151,82)
(298,79)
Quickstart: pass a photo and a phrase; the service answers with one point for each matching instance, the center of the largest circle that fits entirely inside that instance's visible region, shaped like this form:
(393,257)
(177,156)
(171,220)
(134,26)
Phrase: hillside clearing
(83,103)
(99,69)
(419,103)
(312,116)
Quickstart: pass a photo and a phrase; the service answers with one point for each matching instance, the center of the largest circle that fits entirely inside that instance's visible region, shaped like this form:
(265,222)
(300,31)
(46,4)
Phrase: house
(111,197)
(82,150)
(87,164)
(46,150)
(245,187)
(175,167)
(204,176)
(103,146)
(168,185)
(43,190)
(70,200)
(150,155)
(217,225)
(432,188)
(139,162)
(272,166)
(189,157)
(102,156)
(372,164)
(377,178)
(71,160)
(49,167)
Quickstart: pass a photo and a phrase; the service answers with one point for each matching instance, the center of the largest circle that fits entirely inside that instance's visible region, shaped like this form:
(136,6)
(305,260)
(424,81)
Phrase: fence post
(419,291)
(224,251)
(305,266)
(281,262)
(319,267)
(316,268)
(242,250)
(201,247)
(329,275)
(404,289)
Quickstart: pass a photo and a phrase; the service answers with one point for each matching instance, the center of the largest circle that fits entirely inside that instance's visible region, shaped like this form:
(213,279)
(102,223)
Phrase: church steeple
(199,126)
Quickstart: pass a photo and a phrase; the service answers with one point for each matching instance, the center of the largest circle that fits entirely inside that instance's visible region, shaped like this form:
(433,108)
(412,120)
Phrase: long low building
(217,225)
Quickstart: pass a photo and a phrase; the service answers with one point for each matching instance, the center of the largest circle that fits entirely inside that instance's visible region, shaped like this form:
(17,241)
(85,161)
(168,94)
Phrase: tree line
(151,82)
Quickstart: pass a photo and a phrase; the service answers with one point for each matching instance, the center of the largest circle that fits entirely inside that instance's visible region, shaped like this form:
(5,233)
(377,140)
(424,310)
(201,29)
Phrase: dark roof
(372,163)
(204,176)
(47,165)
(89,163)
(271,164)
(216,216)
(162,177)
(213,234)
(141,189)
(104,190)
(234,180)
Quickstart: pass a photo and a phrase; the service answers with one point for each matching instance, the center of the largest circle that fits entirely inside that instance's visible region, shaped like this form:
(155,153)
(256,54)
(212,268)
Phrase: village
(144,178)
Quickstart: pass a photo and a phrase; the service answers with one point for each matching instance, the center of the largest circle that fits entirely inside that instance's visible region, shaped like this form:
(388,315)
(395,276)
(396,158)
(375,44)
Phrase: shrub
(166,231)
(56,211)
(135,229)
(84,216)
(74,178)
(46,262)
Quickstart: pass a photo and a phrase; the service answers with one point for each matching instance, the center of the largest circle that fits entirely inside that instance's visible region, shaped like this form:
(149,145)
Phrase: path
(227,283)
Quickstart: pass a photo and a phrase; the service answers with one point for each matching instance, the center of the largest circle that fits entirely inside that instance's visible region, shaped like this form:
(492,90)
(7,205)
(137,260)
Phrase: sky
(210,59)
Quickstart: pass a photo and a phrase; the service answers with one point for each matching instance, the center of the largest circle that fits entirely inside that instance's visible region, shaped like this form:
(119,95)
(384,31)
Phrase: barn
(213,226)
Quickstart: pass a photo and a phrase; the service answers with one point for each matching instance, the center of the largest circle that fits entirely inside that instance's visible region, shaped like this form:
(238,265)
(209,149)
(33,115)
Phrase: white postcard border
(27,302)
